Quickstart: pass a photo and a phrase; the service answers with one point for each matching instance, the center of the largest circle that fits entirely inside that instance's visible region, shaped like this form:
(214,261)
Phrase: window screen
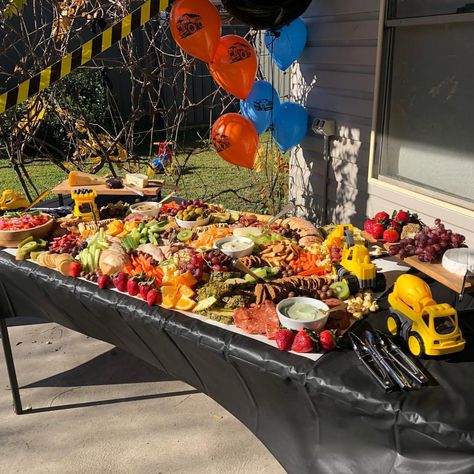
(428,132)
(412,8)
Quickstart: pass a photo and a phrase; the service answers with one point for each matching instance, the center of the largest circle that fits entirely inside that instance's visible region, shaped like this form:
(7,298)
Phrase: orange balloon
(235,139)
(196,27)
(234,66)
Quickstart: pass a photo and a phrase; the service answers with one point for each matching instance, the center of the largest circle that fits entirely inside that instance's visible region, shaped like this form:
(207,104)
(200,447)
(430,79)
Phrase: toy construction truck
(429,328)
(11,201)
(356,267)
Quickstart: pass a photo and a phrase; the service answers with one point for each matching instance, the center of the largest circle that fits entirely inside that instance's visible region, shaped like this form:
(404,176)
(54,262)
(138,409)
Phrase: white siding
(340,62)
(335,79)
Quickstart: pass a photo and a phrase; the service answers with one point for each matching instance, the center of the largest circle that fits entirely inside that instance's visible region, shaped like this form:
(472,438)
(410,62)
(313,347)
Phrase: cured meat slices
(259,319)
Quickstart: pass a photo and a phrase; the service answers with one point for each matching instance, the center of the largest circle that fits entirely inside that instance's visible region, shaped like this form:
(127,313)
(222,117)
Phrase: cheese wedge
(136,179)
(79,178)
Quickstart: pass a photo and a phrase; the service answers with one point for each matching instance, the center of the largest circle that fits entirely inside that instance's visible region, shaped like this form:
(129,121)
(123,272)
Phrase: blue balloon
(290,125)
(261,105)
(287,43)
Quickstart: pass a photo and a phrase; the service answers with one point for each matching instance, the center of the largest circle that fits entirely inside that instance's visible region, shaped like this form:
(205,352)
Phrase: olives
(192,212)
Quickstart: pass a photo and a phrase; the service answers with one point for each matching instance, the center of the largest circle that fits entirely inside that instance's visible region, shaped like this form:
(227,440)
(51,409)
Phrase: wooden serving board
(103,190)
(433,270)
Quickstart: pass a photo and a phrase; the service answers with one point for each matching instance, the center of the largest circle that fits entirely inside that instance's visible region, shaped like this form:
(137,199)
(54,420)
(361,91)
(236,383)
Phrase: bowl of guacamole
(302,312)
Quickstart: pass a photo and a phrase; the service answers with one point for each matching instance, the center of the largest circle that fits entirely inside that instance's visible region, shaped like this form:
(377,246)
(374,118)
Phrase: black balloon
(266,14)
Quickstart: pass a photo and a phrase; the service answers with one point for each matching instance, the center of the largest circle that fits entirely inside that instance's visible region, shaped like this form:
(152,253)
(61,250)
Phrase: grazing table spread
(315,412)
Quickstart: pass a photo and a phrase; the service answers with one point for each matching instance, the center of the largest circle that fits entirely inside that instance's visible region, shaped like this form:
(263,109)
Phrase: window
(426,107)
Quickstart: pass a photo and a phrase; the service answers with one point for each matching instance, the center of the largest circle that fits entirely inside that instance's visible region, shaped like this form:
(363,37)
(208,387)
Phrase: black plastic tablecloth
(315,417)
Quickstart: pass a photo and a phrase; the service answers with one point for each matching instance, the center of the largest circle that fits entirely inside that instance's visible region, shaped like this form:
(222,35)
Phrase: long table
(323,416)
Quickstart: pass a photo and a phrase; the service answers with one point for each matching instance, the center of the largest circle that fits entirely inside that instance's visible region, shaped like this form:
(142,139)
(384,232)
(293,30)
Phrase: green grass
(206,175)
(44,176)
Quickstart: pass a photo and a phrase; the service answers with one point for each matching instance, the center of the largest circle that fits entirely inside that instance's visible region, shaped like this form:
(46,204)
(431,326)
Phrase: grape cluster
(69,243)
(217,261)
(336,254)
(192,262)
(429,244)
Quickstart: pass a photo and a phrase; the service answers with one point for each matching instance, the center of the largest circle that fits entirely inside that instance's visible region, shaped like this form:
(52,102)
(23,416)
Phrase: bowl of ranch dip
(301,312)
(235,247)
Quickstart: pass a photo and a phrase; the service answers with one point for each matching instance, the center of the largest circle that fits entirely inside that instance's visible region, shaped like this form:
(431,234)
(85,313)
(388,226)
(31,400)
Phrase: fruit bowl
(193,224)
(11,238)
(297,325)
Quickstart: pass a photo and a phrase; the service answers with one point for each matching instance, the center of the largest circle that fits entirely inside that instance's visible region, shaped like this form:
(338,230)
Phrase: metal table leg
(7,350)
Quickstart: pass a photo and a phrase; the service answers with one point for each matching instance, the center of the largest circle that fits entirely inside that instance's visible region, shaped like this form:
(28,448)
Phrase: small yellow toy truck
(11,201)
(429,328)
(356,267)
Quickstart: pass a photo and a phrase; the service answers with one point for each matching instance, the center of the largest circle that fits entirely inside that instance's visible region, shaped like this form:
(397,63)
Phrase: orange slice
(186,291)
(185,303)
(186,279)
(170,296)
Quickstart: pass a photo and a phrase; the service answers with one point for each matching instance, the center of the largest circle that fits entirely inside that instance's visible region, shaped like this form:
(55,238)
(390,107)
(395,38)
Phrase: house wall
(335,79)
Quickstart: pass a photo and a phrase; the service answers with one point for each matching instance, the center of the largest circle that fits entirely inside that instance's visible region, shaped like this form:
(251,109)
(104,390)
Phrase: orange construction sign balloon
(234,66)
(235,139)
(196,27)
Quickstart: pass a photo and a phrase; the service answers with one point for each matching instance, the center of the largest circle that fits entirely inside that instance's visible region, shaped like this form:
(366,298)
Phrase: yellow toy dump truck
(429,328)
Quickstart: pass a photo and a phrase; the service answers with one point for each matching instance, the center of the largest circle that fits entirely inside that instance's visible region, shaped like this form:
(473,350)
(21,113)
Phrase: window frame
(382,93)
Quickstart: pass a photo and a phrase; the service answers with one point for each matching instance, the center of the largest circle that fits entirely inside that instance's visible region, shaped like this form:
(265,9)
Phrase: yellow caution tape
(83,54)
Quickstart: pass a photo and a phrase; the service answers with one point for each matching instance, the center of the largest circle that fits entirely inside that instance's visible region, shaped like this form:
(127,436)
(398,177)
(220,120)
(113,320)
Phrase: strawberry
(327,340)
(284,339)
(377,230)
(75,269)
(302,342)
(381,217)
(368,225)
(391,236)
(395,225)
(403,217)
(104,282)
(143,290)
(152,297)
(132,287)
(120,281)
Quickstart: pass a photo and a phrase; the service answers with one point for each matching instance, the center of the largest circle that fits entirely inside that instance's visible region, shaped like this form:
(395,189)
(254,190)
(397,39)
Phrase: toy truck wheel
(415,344)
(380,282)
(352,283)
(394,324)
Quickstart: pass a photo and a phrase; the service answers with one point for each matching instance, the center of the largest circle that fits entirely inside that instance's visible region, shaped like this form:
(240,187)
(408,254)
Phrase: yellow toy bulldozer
(11,201)
(429,328)
(356,267)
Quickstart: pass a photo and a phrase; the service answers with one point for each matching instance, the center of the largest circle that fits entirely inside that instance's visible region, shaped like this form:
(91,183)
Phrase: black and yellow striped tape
(83,54)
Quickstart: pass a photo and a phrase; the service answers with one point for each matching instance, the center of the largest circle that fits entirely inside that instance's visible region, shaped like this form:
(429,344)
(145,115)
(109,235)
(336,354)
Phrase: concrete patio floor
(96,409)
